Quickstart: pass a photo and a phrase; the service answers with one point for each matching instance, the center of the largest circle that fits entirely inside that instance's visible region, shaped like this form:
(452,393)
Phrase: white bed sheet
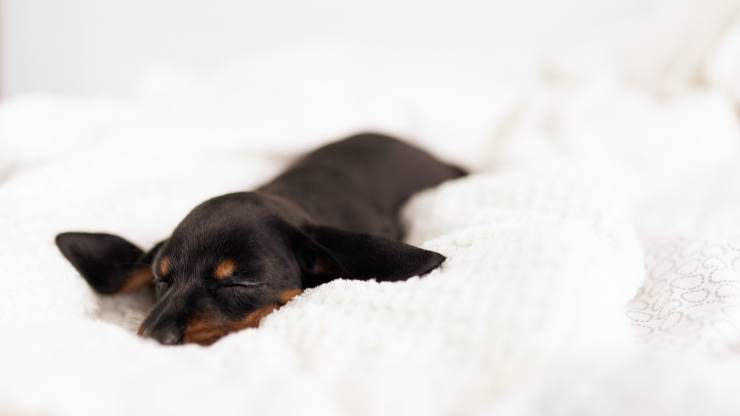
(594,187)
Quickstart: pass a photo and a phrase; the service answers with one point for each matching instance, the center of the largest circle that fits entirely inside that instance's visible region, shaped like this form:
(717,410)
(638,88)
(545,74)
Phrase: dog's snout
(164,322)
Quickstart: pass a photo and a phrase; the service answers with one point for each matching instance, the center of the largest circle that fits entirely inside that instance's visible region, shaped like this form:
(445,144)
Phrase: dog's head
(233,260)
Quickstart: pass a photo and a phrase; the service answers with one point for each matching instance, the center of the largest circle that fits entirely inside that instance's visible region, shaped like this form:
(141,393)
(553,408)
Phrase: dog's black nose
(165,336)
(168,337)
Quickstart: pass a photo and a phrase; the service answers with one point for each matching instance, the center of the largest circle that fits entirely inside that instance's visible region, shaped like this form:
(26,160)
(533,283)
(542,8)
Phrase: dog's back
(360,183)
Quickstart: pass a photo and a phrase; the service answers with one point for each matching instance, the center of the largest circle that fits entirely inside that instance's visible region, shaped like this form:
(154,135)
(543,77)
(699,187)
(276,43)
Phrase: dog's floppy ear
(332,253)
(108,263)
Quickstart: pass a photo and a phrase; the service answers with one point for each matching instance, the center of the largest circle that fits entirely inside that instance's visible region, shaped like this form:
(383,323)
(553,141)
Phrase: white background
(101,47)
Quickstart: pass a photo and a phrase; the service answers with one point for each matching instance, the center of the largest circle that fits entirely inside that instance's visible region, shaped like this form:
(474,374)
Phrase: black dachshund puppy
(235,258)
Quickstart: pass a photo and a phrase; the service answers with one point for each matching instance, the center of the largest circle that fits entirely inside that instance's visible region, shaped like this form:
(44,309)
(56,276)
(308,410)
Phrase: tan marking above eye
(164,266)
(224,269)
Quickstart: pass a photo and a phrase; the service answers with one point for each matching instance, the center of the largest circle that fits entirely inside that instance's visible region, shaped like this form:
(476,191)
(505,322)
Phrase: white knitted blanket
(590,192)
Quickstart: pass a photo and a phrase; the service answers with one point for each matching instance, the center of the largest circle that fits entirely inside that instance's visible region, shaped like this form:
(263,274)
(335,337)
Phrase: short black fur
(332,214)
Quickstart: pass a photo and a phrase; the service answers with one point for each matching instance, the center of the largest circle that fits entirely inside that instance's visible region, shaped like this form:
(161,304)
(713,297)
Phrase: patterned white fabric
(691,296)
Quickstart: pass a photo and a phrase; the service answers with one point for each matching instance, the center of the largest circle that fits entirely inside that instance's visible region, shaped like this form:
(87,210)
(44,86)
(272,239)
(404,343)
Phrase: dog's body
(235,258)
(358,184)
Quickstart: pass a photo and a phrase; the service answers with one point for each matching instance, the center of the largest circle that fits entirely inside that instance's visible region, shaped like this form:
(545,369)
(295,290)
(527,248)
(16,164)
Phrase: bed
(593,254)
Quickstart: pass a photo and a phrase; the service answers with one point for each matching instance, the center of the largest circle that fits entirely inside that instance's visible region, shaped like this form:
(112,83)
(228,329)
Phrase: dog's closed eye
(241,283)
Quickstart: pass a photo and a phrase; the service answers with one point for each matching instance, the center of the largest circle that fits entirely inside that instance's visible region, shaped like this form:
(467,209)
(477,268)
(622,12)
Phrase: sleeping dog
(237,257)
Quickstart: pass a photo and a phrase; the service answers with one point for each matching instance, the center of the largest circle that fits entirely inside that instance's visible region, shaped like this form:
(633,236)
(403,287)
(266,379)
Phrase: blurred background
(269,73)
(93,47)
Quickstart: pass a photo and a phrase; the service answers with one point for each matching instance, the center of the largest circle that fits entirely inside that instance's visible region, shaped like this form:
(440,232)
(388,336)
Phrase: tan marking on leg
(164,266)
(224,269)
(137,279)
(287,295)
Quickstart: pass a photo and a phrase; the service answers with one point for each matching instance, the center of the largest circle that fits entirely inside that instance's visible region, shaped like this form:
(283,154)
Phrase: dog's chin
(206,331)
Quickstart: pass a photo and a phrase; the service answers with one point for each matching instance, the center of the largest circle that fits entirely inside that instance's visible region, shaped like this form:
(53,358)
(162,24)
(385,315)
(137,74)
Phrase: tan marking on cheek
(164,266)
(137,279)
(206,331)
(253,319)
(287,295)
(224,269)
